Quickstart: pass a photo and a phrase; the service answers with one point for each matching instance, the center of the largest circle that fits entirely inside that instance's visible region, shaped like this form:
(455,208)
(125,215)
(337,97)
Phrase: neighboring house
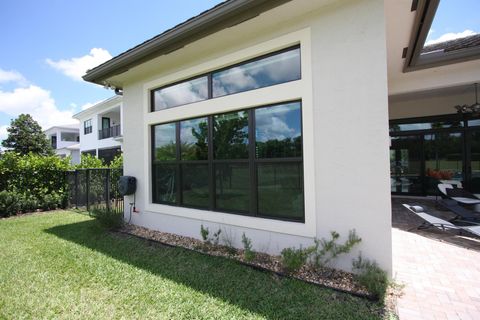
(65,141)
(101,129)
(272,118)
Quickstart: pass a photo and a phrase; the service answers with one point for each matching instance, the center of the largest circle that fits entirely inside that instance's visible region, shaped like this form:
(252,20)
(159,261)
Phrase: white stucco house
(101,129)
(64,140)
(281,119)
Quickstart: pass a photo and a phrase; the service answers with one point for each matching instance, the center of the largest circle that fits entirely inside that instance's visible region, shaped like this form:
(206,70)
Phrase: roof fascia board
(224,16)
(110,103)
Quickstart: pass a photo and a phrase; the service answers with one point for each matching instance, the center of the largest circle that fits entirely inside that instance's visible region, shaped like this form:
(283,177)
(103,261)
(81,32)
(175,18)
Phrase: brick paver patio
(440,270)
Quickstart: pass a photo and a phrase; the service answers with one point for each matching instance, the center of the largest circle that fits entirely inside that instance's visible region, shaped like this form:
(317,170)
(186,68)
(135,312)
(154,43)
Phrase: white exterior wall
(110,108)
(55,131)
(345,128)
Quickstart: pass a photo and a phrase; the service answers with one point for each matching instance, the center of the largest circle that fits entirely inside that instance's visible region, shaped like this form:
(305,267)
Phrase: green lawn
(63,265)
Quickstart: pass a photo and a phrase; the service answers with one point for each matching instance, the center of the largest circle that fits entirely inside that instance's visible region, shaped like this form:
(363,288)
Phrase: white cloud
(75,68)
(89,105)
(450,36)
(12,76)
(3,133)
(37,102)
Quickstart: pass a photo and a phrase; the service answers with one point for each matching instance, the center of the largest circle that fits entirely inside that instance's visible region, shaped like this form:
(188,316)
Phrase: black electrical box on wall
(127,185)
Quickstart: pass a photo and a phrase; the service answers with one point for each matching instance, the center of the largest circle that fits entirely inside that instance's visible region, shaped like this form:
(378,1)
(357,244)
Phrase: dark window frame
(252,164)
(87,126)
(209,76)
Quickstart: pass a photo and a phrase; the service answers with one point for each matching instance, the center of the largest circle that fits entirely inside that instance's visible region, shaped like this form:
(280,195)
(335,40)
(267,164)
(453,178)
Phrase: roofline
(62,127)
(93,108)
(224,15)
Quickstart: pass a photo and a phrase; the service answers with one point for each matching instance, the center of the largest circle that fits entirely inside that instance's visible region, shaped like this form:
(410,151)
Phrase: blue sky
(37,35)
(45,45)
(455,18)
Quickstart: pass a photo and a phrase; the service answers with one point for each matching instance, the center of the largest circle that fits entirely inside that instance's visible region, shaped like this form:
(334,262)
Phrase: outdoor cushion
(459,192)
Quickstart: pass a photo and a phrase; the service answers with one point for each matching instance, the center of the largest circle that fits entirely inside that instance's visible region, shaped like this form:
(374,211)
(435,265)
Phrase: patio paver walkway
(440,271)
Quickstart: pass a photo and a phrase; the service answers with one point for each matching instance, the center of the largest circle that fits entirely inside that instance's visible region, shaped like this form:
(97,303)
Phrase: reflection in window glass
(195,190)
(230,136)
(280,190)
(165,142)
(443,156)
(474,123)
(193,139)
(164,181)
(69,136)
(268,71)
(232,187)
(182,93)
(425,126)
(278,131)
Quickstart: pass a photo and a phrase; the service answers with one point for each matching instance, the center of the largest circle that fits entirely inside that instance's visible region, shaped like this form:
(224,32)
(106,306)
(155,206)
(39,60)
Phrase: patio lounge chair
(431,221)
(463,214)
(458,194)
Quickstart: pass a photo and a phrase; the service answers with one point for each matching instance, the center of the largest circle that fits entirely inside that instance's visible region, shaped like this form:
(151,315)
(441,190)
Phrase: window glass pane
(69,136)
(280,191)
(232,187)
(164,180)
(275,69)
(195,185)
(425,126)
(474,123)
(230,136)
(165,142)
(278,131)
(443,158)
(179,94)
(193,139)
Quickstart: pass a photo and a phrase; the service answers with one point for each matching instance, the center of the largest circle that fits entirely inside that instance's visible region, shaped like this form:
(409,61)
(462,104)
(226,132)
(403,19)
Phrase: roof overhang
(222,16)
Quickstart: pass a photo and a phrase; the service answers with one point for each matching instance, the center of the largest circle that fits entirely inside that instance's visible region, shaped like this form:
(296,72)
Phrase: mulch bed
(326,277)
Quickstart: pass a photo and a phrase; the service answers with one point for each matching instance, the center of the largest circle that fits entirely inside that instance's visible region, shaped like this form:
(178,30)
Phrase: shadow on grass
(259,292)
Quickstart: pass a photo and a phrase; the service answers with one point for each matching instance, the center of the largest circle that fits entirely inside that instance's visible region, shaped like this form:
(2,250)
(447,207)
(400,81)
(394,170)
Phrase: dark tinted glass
(278,131)
(425,126)
(182,93)
(164,181)
(268,71)
(232,187)
(193,139)
(164,142)
(280,191)
(230,136)
(195,185)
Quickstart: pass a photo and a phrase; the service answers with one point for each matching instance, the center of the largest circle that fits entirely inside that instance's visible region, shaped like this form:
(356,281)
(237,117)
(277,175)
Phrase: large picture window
(247,162)
(267,70)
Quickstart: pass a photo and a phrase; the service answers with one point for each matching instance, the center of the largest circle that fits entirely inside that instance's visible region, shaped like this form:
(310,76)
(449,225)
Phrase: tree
(25,135)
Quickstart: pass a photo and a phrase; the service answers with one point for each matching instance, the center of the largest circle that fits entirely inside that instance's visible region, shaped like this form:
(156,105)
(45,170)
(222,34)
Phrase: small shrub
(293,259)
(204,232)
(28,203)
(108,218)
(325,251)
(248,253)
(371,276)
(9,203)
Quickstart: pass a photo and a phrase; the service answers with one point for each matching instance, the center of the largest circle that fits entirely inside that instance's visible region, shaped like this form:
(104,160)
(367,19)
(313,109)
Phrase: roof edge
(224,15)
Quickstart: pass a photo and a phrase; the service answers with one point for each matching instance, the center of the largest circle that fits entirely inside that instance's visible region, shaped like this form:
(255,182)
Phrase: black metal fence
(94,189)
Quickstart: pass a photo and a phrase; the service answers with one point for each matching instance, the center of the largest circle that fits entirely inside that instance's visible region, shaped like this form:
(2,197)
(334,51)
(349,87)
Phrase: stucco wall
(344,95)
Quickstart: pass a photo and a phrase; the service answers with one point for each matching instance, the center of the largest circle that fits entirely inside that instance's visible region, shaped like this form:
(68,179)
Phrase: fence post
(76,189)
(107,187)
(87,181)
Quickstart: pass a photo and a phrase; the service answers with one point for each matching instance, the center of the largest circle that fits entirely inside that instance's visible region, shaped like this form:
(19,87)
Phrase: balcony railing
(113,131)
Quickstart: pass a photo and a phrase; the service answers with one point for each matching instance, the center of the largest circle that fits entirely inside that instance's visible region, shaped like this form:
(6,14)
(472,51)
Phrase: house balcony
(110,132)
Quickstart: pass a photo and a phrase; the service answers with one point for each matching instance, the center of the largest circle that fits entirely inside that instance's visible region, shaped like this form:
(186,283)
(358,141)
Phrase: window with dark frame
(87,126)
(267,70)
(246,162)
